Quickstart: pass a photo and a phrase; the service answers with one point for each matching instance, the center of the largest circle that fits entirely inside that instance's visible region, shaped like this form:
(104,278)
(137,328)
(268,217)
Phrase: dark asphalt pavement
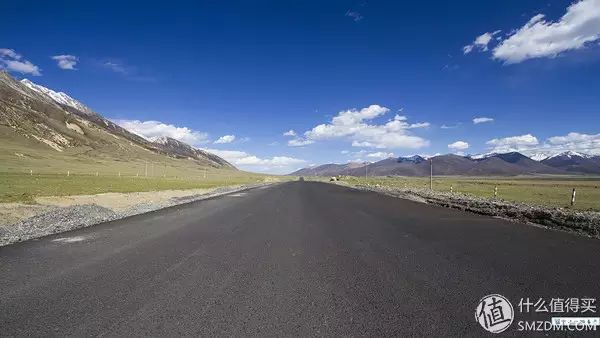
(294,259)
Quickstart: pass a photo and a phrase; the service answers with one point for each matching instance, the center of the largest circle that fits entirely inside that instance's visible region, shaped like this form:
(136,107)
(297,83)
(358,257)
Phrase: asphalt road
(295,259)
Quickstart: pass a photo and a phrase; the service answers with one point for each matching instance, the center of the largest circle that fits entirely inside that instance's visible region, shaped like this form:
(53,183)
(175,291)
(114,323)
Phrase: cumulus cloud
(585,143)
(152,129)
(481,42)
(353,125)
(458,145)
(380,155)
(246,161)
(540,38)
(14,62)
(479,120)
(513,143)
(290,132)
(225,139)
(579,26)
(66,62)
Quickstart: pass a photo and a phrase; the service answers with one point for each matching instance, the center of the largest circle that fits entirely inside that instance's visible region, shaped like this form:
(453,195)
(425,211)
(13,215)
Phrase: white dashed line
(70,239)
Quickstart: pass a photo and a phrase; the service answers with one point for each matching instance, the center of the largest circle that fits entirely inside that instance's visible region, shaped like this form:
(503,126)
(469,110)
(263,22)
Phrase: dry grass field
(553,191)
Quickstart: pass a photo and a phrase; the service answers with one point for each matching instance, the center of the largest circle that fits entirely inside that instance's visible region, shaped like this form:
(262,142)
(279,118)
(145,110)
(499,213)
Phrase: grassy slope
(20,155)
(549,191)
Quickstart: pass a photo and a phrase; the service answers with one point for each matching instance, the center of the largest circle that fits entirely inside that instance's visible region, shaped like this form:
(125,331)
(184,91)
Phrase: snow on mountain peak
(58,97)
(481,156)
(570,154)
(538,156)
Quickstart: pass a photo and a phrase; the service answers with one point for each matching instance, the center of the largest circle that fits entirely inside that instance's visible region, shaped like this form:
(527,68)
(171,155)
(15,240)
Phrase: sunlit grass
(548,191)
(23,187)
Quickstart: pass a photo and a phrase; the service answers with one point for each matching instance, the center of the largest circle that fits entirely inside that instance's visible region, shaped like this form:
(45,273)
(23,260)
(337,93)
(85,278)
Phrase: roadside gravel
(60,219)
(586,223)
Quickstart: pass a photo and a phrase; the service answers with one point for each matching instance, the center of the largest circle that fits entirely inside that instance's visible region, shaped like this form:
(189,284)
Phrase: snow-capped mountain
(58,97)
(570,154)
(481,156)
(572,161)
(536,156)
(164,140)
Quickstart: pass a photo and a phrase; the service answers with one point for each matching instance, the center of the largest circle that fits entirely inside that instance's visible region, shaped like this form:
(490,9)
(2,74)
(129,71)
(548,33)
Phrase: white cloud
(299,142)
(14,62)
(116,67)
(380,155)
(481,42)
(579,26)
(513,143)
(353,125)
(479,120)
(225,139)
(528,145)
(151,129)
(66,62)
(458,145)
(539,38)
(585,143)
(246,161)
(445,126)
(290,132)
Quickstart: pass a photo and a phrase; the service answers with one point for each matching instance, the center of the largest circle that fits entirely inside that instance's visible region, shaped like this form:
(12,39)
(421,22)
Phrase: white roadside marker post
(573,197)
(68,173)
(30,172)
(495,192)
(431,174)
(451,190)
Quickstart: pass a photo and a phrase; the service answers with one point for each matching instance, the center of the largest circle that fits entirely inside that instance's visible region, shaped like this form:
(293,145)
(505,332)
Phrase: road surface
(294,259)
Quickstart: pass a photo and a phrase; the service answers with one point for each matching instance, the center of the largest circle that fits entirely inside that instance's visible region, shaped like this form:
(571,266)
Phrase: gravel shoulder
(55,214)
(586,223)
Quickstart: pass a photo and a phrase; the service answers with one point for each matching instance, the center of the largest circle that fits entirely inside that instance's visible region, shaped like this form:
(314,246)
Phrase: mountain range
(507,164)
(41,128)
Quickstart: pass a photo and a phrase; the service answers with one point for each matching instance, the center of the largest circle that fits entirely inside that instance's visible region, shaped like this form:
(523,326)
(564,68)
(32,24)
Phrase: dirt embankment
(582,222)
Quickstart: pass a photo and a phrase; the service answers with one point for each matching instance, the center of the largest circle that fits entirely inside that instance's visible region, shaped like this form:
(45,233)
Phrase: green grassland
(554,191)
(23,187)
(29,169)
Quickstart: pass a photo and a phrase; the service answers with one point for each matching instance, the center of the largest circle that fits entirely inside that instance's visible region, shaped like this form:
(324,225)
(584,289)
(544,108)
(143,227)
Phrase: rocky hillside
(574,162)
(40,126)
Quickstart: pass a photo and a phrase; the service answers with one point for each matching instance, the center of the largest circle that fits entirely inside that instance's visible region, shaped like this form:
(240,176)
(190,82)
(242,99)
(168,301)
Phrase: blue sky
(354,80)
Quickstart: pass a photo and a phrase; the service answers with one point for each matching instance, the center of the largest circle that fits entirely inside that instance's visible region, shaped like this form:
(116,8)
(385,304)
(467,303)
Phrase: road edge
(79,216)
(585,224)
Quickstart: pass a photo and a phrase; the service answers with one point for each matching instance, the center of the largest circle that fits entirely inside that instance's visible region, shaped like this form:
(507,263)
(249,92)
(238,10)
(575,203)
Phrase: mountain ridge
(497,164)
(38,119)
